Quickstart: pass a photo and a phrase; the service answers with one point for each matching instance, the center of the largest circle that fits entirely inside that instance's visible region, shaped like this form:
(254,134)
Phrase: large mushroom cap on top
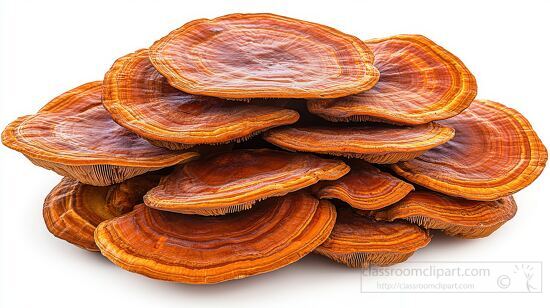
(75,136)
(494,153)
(211,249)
(364,187)
(375,142)
(419,82)
(73,210)
(234,181)
(454,216)
(140,99)
(263,55)
(360,241)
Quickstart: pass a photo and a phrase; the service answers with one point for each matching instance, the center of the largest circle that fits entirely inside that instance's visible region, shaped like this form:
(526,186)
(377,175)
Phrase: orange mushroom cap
(419,82)
(494,153)
(364,187)
(234,181)
(73,210)
(211,249)
(360,241)
(75,136)
(375,142)
(454,216)
(140,99)
(241,56)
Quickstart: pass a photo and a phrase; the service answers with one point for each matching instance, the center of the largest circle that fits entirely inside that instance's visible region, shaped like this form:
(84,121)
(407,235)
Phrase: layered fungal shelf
(237,145)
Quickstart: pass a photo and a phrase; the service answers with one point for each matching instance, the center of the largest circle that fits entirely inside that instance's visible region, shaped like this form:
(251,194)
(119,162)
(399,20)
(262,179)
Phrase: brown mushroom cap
(75,136)
(454,216)
(419,82)
(263,55)
(375,142)
(364,187)
(234,181)
(360,241)
(140,99)
(494,153)
(73,210)
(211,249)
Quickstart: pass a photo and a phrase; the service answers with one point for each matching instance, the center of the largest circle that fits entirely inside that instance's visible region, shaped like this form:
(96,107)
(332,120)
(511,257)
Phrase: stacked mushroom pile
(188,161)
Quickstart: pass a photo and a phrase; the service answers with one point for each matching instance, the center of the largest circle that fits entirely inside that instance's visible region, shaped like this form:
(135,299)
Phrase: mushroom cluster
(237,145)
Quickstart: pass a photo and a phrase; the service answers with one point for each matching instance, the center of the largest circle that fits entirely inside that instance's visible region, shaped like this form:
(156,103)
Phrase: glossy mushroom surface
(454,216)
(375,142)
(141,99)
(234,181)
(76,137)
(210,249)
(365,187)
(495,153)
(242,56)
(359,241)
(73,210)
(419,82)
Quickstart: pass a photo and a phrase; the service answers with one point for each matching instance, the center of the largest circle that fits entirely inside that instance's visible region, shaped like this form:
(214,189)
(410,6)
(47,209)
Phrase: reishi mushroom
(73,210)
(375,142)
(495,153)
(360,241)
(419,82)
(211,249)
(140,99)
(365,187)
(209,156)
(233,181)
(241,56)
(76,137)
(454,216)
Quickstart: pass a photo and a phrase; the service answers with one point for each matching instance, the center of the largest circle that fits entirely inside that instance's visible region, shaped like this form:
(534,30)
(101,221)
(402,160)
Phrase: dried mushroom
(375,143)
(364,187)
(241,56)
(494,153)
(140,99)
(250,94)
(234,181)
(419,82)
(360,241)
(75,136)
(454,216)
(73,210)
(211,249)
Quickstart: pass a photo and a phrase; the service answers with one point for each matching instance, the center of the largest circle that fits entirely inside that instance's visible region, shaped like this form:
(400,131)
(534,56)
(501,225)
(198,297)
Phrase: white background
(48,47)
